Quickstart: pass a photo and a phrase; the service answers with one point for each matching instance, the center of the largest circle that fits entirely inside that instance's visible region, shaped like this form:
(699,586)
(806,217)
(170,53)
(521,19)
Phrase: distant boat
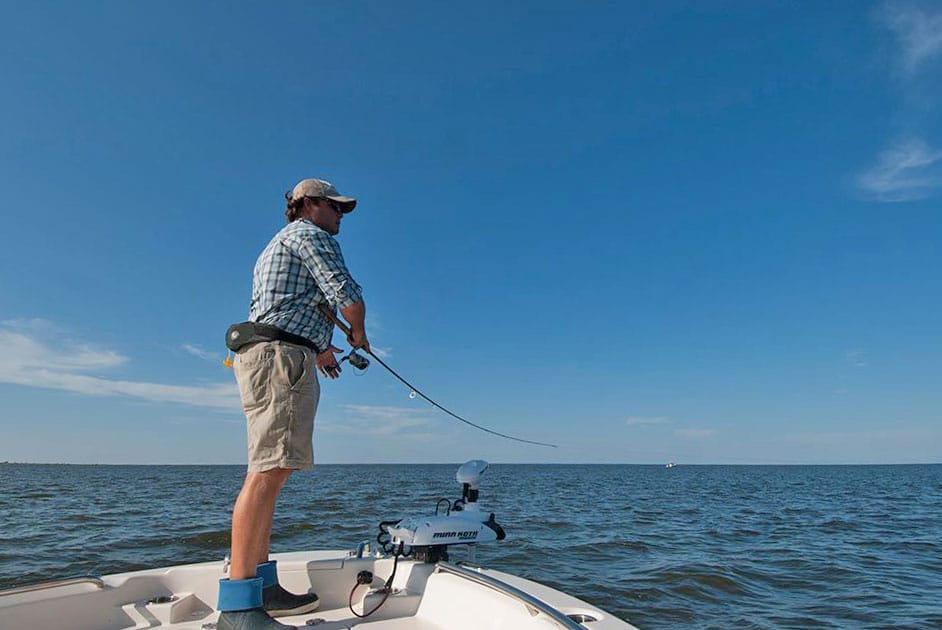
(670,465)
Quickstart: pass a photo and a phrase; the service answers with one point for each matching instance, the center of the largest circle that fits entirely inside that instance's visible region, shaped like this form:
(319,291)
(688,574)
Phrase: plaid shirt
(301,268)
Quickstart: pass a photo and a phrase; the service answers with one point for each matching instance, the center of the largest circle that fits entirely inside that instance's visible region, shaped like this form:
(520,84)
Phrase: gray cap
(322,188)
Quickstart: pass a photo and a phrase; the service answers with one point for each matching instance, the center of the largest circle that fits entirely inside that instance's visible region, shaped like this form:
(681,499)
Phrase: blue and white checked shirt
(300,268)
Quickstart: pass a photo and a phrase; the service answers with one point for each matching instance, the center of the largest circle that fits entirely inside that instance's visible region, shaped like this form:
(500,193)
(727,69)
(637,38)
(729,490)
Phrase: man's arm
(355,314)
(320,253)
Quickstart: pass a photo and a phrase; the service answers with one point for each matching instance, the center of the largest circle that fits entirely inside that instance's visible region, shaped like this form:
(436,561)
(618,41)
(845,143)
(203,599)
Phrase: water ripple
(693,546)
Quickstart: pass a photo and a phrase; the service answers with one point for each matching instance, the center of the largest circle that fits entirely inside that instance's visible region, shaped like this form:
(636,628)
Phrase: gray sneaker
(254,619)
(278,602)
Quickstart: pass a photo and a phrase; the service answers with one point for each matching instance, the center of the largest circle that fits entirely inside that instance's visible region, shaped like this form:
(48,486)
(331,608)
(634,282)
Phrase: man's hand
(357,339)
(327,362)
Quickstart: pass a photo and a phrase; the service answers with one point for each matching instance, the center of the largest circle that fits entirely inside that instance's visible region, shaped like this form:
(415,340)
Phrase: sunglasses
(333,204)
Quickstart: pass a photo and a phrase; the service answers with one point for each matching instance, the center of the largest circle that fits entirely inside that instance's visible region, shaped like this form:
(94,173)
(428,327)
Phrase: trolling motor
(427,538)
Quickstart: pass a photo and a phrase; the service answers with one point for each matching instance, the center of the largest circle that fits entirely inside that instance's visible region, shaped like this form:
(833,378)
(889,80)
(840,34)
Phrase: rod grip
(336,320)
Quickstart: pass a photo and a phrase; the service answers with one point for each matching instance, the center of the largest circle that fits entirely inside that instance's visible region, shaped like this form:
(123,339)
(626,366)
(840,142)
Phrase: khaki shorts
(279,390)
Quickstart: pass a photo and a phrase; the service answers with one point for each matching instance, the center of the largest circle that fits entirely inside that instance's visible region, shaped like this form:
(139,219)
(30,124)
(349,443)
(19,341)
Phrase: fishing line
(416,391)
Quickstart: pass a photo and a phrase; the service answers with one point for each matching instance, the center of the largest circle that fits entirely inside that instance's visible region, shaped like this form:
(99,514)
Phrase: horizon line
(660,464)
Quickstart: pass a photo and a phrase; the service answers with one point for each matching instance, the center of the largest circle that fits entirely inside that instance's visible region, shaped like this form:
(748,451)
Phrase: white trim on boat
(41,586)
(506,589)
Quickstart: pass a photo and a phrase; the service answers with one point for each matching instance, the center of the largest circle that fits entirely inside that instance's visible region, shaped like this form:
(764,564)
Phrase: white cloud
(857,358)
(34,325)
(22,351)
(51,361)
(694,433)
(907,171)
(382,353)
(633,421)
(380,420)
(198,352)
(374,325)
(918,33)
(910,169)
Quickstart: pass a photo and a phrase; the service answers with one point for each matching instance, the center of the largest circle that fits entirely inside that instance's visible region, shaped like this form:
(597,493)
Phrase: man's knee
(267,480)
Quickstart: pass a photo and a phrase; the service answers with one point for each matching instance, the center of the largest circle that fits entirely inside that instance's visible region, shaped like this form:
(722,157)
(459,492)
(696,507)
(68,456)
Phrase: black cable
(447,505)
(383,538)
(375,608)
(392,575)
(387,588)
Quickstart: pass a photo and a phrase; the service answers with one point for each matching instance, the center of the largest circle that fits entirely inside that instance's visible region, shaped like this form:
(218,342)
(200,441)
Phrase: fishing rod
(346,330)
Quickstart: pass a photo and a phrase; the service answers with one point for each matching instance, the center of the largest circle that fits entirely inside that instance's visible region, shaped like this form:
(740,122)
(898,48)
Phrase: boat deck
(424,596)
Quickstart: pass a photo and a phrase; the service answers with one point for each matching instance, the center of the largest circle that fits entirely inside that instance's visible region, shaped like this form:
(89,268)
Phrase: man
(300,270)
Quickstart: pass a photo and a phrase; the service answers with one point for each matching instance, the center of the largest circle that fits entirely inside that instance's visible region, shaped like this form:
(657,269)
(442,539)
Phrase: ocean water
(687,547)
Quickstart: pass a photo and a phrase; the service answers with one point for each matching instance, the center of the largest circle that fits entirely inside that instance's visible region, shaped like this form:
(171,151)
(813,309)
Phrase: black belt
(244,333)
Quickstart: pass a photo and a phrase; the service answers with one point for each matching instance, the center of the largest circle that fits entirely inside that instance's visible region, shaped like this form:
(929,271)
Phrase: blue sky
(706,233)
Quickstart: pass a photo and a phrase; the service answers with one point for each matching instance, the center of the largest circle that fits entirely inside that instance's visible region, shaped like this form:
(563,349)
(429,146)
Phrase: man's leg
(278,384)
(241,596)
(252,519)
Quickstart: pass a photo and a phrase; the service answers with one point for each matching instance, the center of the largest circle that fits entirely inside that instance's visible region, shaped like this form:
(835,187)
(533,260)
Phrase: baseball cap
(322,188)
